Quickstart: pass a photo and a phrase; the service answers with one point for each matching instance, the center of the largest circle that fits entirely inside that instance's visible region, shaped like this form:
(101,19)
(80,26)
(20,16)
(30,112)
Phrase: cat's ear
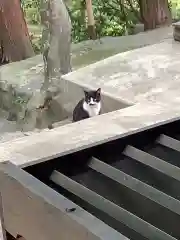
(85,93)
(98,91)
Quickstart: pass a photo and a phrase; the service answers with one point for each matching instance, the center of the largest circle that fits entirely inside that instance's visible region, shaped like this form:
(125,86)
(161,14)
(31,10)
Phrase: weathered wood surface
(35,211)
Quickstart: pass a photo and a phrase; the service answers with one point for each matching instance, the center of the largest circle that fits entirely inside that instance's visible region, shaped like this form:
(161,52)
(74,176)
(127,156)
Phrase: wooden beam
(153,162)
(35,211)
(136,185)
(169,142)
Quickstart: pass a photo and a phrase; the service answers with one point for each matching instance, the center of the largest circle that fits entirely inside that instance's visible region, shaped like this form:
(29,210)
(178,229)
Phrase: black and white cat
(89,106)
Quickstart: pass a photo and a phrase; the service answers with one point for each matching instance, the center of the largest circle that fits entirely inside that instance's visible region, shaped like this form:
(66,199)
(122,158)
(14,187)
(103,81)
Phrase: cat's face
(92,98)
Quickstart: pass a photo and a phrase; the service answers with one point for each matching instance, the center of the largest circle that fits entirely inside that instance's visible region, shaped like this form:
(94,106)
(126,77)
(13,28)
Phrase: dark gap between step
(75,166)
(167,154)
(135,203)
(115,192)
(120,227)
(149,175)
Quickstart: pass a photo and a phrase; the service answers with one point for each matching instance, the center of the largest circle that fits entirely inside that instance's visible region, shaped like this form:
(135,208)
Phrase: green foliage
(77,15)
(175,8)
(112,18)
(36,42)
(31,10)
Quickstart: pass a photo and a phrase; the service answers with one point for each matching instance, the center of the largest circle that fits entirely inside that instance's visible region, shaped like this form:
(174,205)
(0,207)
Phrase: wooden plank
(133,222)
(136,185)
(153,162)
(169,142)
(35,211)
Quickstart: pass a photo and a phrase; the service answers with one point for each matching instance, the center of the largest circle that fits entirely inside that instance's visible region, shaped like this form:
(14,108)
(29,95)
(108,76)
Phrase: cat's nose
(92,104)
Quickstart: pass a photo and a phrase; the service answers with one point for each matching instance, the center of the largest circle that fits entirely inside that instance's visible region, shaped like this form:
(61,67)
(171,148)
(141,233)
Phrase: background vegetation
(112,18)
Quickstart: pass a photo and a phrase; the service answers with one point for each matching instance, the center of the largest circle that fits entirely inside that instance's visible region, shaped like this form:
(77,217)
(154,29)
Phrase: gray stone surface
(148,78)
(50,144)
(176,31)
(27,75)
(23,80)
(135,76)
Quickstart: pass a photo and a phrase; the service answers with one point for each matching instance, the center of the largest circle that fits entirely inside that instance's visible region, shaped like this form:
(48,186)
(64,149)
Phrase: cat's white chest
(92,110)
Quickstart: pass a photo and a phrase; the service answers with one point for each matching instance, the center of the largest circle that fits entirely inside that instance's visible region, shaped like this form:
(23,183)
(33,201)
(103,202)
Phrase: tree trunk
(2,226)
(56,40)
(14,33)
(163,14)
(154,12)
(91,23)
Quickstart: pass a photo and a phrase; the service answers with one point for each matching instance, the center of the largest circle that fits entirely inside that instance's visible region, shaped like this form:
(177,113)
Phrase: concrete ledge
(135,76)
(148,77)
(50,144)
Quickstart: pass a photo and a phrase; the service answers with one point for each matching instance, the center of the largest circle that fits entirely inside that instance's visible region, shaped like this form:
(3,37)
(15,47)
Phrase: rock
(176,31)
(139,27)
